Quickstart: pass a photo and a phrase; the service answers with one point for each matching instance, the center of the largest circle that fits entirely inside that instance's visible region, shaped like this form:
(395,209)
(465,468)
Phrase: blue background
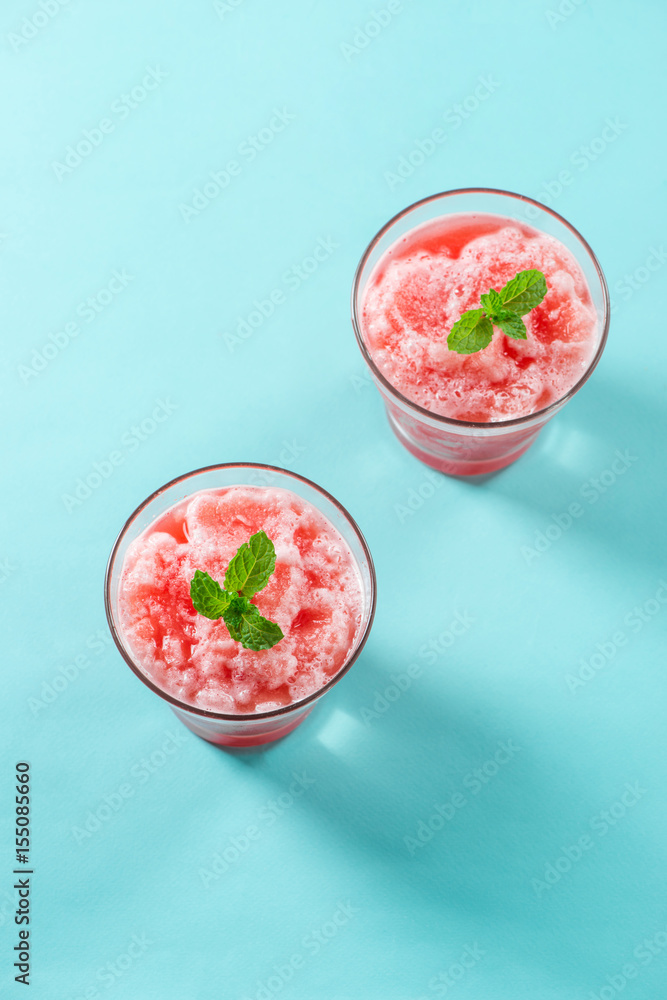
(331,878)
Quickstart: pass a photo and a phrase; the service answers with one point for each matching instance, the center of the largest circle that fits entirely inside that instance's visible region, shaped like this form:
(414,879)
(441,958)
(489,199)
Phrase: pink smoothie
(314,595)
(427,279)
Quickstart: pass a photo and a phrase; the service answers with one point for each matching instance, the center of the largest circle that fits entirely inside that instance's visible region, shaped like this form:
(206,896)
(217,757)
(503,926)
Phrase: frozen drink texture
(314,594)
(430,276)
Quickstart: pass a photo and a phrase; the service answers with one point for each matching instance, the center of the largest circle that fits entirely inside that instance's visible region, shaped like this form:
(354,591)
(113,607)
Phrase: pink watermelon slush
(315,595)
(425,281)
(474,414)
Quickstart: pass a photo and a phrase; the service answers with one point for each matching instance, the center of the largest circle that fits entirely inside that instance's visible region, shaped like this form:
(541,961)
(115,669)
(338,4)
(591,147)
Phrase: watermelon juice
(467,414)
(321,594)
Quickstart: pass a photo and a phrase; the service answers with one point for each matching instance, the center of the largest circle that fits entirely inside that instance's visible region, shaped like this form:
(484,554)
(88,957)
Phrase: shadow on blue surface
(437,794)
(604,439)
(457,816)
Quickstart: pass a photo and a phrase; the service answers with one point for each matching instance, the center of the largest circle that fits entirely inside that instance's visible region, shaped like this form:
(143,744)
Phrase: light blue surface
(293,394)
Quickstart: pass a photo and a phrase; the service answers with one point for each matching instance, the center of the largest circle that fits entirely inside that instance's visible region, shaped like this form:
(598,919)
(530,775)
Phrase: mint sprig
(208,596)
(248,572)
(251,567)
(248,627)
(504,309)
(524,292)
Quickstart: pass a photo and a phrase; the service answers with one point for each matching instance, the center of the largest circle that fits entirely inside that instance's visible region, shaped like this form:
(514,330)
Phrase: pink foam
(314,595)
(425,281)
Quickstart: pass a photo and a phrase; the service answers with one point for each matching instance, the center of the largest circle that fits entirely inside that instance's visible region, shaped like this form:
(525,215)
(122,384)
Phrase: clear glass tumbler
(251,729)
(459,447)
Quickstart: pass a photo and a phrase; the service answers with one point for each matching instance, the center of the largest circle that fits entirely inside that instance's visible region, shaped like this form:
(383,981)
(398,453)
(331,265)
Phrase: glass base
(460,447)
(482,456)
(243,733)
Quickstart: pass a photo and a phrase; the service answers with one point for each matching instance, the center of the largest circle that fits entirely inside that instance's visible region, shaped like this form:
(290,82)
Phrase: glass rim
(473,424)
(238,717)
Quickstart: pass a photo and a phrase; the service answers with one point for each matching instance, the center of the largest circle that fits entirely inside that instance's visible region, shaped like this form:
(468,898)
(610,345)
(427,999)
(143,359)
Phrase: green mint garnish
(471,333)
(504,309)
(491,302)
(248,627)
(524,292)
(251,567)
(510,324)
(208,596)
(248,572)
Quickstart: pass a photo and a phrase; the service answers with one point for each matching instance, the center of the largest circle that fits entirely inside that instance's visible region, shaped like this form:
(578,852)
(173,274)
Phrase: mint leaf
(511,324)
(252,630)
(524,292)
(208,596)
(504,309)
(251,567)
(248,571)
(233,615)
(471,333)
(491,304)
